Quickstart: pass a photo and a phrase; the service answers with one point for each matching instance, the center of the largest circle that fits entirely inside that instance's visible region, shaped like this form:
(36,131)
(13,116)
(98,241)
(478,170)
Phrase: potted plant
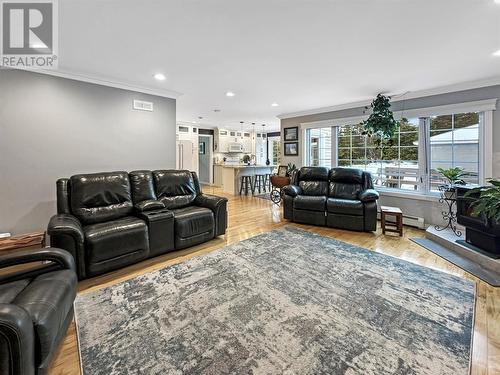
(381,124)
(453,176)
(290,169)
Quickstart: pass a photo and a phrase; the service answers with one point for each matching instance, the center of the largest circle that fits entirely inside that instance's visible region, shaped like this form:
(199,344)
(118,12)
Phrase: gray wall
(54,127)
(429,210)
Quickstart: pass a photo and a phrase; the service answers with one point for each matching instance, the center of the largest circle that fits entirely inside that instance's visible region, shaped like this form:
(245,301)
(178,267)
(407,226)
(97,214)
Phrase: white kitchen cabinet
(221,140)
(248,143)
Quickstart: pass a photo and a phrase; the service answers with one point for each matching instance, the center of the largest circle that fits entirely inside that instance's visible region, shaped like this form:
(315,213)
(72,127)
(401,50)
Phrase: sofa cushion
(175,189)
(346,175)
(345,206)
(344,190)
(193,220)
(314,187)
(313,180)
(115,238)
(313,174)
(100,197)
(48,299)
(9,291)
(311,203)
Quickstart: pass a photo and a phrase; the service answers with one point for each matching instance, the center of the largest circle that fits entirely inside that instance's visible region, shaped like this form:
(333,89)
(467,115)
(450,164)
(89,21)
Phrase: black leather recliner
(110,220)
(36,308)
(340,198)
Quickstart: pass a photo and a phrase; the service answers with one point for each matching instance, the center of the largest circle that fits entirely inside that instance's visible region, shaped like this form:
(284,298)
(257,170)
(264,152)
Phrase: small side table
(391,226)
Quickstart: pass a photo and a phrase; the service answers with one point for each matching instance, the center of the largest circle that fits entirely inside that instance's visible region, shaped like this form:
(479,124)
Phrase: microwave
(235,147)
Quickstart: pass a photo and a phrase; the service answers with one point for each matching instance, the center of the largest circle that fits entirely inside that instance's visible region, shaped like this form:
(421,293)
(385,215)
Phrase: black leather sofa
(340,198)
(36,308)
(110,220)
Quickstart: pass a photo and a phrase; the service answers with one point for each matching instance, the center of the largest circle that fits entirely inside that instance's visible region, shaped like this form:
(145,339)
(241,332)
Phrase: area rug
(284,302)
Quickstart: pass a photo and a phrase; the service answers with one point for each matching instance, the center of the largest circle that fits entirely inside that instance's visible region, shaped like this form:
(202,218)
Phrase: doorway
(205,159)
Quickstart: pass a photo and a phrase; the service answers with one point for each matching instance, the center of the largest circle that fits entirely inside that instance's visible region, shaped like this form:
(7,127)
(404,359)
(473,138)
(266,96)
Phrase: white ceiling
(300,54)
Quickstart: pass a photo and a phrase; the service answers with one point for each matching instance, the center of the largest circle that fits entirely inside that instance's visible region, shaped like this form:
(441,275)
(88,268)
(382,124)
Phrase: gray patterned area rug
(284,302)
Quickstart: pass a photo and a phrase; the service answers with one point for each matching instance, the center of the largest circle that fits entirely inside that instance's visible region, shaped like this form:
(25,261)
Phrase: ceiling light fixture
(497,53)
(230,94)
(497,2)
(160,77)
(274,104)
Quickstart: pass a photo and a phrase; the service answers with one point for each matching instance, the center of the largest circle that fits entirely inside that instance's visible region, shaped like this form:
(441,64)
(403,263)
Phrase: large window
(421,145)
(396,166)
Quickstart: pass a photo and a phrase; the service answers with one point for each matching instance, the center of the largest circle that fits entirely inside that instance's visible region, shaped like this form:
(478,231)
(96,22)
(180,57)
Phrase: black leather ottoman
(193,225)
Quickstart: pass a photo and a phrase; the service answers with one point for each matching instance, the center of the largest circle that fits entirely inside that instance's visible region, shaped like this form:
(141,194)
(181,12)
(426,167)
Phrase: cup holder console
(161,230)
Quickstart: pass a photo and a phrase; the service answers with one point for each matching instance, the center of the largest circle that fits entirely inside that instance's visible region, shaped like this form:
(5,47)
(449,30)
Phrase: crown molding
(493,81)
(105,82)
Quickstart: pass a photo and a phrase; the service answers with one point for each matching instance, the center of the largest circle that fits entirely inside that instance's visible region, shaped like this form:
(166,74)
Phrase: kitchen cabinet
(222,139)
(248,143)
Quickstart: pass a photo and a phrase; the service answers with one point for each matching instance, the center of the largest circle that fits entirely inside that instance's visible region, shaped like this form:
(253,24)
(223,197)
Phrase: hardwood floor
(249,216)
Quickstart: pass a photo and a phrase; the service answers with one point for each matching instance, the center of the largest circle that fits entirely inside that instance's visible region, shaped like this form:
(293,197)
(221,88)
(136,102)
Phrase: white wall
(54,127)
(429,210)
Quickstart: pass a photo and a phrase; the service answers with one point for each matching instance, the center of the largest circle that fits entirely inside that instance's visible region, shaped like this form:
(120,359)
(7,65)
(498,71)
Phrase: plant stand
(449,197)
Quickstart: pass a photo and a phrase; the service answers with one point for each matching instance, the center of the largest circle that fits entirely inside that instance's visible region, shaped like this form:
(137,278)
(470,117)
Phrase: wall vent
(141,105)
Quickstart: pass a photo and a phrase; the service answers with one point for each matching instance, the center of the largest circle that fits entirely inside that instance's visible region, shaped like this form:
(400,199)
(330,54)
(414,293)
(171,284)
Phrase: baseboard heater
(412,221)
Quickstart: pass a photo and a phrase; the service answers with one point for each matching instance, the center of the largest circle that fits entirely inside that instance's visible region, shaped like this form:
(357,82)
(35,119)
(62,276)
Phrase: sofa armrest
(218,205)
(16,330)
(292,190)
(209,201)
(66,232)
(57,258)
(368,195)
(61,257)
(149,205)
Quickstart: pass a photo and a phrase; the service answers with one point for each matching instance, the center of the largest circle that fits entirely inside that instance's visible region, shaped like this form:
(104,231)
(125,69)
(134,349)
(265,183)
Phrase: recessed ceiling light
(160,77)
(230,94)
(497,53)
(274,104)
(497,1)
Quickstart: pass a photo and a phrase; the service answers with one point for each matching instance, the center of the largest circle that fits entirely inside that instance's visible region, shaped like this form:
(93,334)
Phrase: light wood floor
(249,216)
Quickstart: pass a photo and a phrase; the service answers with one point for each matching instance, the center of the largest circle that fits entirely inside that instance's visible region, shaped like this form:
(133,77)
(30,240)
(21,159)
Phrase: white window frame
(484,107)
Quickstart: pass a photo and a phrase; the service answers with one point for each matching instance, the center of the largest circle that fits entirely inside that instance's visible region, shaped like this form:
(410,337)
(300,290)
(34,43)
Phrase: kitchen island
(230,175)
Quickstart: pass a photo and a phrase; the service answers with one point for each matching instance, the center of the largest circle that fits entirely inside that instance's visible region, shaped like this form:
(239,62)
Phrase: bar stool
(260,182)
(267,181)
(244,182)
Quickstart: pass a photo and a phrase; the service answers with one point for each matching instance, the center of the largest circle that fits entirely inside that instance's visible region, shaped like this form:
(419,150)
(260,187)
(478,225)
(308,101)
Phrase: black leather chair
(110,220)
(340,198)
(36,308)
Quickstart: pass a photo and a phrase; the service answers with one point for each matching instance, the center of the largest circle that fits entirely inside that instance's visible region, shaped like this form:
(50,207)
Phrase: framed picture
(292,149)
(282,170)
(291,134)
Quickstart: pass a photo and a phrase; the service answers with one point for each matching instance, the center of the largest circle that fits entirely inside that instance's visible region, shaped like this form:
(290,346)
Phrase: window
(275,149)
(420,146)
(319,147)
(394,167)
(454,142)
